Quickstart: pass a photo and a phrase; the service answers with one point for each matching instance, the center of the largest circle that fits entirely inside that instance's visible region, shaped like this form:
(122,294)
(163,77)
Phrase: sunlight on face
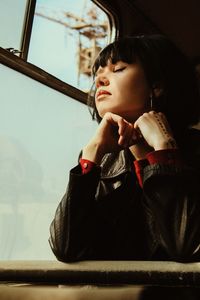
(122,88)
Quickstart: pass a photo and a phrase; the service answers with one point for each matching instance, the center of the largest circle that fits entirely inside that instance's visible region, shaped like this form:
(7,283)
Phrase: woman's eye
(119,69)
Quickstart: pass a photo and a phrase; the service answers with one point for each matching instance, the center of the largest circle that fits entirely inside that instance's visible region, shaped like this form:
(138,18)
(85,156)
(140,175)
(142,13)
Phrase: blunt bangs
(166,67)
(120,50)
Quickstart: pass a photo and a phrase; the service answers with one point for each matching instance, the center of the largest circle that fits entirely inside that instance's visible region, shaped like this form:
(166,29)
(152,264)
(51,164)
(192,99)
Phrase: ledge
(101,272)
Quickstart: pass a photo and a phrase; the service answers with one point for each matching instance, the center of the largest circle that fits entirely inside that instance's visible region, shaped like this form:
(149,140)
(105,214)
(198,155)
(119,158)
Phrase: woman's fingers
(127,134)
(155,130)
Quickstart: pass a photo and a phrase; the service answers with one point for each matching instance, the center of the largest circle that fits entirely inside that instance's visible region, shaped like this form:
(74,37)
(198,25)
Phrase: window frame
(28,24)
(20,64)
(16,63)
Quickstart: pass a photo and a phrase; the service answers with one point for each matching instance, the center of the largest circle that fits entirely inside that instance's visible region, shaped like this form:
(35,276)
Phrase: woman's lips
(101,93)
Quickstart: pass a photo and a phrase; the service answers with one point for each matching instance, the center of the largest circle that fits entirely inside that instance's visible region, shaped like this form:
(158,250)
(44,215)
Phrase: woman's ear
(157,90)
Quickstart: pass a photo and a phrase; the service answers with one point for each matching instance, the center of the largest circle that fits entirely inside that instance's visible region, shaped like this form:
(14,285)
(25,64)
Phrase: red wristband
(86,165)
(139,166)
(167,156)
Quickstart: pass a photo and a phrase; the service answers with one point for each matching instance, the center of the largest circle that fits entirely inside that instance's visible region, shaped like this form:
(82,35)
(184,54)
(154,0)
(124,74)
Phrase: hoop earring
(151,102)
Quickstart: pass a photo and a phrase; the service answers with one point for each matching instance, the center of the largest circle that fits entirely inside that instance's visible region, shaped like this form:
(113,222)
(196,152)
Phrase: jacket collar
(115,164)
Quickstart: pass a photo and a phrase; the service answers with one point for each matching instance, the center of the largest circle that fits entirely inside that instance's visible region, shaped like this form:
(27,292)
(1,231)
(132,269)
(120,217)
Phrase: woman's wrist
(140,150)
(93,153)
(170,143)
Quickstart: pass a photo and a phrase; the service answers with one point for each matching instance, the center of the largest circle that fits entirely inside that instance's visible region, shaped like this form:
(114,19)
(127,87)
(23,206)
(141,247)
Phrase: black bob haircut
(163,64)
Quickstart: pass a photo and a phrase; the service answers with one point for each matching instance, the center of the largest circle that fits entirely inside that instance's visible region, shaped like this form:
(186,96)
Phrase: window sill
(101,272)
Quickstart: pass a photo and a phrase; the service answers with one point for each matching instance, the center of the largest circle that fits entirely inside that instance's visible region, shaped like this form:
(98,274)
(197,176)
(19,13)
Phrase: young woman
(135,193)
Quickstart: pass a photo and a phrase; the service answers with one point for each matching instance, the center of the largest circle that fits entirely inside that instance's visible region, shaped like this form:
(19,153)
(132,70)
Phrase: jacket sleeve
(172,197)
(71,231)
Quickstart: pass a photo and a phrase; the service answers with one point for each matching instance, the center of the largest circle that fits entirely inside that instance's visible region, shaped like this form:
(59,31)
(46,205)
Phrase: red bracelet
(86,165)
(139,166)
(167,156)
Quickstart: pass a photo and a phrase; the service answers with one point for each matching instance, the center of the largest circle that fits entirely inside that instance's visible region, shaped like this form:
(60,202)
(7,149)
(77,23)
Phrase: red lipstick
(102,92)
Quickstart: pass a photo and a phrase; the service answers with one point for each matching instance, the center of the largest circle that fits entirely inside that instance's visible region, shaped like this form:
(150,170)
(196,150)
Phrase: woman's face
(122,89)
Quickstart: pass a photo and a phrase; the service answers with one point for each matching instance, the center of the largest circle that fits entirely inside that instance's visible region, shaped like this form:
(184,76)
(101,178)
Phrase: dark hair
(163,64)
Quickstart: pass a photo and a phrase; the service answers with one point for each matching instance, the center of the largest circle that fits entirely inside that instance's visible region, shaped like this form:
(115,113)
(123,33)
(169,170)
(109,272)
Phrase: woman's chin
(102,112)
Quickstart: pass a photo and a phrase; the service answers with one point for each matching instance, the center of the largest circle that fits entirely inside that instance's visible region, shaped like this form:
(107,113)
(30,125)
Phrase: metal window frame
(28,24)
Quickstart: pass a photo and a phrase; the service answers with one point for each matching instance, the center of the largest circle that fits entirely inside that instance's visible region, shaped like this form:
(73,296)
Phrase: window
(66,37)
(37,150)
(37,123)
(12,16)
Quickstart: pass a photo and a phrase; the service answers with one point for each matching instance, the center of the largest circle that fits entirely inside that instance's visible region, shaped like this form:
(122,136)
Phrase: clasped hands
(150,132)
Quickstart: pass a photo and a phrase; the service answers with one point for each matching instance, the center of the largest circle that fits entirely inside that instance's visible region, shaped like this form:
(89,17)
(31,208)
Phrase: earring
(151,102)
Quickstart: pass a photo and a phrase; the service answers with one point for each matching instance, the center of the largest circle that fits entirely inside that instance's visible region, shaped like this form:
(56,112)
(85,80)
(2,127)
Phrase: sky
(11,22)
(53,46)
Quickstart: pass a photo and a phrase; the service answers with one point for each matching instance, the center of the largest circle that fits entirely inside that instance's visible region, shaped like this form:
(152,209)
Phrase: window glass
(66,36)
(12,15)
(37,150)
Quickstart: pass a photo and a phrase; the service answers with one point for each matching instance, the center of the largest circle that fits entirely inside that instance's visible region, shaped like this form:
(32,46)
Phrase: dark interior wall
(178,19)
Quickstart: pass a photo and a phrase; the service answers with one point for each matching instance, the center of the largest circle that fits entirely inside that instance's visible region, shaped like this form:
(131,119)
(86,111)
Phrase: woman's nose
(102,81)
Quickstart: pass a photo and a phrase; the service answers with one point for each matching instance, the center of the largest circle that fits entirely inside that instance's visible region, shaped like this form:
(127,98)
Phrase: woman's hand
(156,133)
(150,132)
(113,134)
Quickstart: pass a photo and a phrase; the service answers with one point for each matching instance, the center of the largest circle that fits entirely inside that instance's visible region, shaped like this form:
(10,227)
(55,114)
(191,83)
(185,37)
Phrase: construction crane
(91,32)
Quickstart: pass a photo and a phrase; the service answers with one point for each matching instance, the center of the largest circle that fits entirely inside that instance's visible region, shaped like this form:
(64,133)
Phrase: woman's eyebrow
(99,70)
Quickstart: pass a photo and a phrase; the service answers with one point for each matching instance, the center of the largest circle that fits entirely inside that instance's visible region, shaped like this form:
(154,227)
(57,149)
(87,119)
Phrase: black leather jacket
(106,215)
